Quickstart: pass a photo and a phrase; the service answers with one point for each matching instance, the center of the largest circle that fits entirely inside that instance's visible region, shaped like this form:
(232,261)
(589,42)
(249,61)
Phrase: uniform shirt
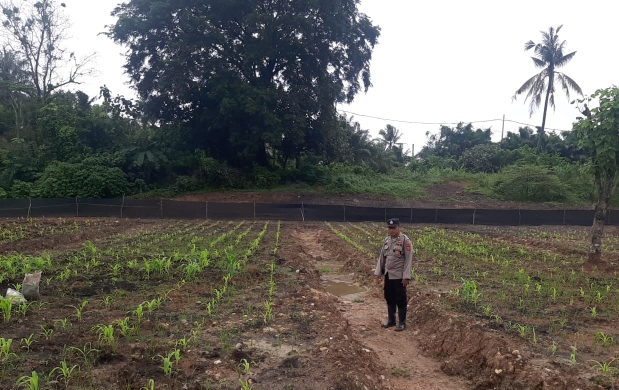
(396,258)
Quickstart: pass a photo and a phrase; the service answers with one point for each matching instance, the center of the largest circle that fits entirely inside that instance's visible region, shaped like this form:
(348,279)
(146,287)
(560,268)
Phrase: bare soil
(446,196)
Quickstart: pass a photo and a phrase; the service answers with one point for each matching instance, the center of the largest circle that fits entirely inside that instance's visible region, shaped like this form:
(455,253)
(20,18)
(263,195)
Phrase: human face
(394,231)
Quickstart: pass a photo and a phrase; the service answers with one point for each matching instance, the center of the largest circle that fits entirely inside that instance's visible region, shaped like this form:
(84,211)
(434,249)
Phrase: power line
(443,123)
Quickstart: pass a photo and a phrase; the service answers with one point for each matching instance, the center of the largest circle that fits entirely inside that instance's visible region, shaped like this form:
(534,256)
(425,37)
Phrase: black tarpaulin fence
(170,209)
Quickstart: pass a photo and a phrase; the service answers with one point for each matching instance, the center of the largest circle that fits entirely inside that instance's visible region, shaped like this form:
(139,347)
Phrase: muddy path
(399,353)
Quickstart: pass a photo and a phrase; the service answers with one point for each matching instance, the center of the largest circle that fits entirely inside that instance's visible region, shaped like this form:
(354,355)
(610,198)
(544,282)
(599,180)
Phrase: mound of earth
(452,195)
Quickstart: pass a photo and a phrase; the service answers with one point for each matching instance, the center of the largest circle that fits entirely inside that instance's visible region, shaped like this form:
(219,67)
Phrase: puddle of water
(339,288)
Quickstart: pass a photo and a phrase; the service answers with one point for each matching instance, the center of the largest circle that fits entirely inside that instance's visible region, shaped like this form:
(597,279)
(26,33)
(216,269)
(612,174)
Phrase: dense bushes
(61,180)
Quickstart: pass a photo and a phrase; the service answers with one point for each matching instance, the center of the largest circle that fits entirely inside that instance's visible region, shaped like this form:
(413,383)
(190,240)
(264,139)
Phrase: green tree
(598,134)
(549,57)
(452,142)
(256,81)
(390,136)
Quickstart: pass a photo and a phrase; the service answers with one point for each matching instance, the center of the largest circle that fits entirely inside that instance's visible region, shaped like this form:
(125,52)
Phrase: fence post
(474,211)
(344,213)
(563,216)
(411,215)
(435,215)
(302,211)
(519,218)
(29,208)
(122,206)
(77,207)
(161,208)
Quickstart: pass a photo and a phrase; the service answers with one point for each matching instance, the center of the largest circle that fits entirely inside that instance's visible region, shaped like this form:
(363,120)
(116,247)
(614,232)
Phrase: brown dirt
(444,196)
(444,349)
(402,364)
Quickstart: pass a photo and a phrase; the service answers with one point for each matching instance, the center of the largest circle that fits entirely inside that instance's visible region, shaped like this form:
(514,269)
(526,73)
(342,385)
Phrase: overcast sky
(436,61)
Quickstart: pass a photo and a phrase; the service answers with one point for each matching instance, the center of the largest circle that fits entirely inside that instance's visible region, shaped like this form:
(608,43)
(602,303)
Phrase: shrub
(530,183)
(263,178)
(21,189)
(187,184)
(486,158)
(61,180)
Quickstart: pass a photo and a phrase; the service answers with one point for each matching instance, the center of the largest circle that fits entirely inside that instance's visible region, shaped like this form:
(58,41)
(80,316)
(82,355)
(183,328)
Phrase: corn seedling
(605,367)
(268,312)
(593,312)
(28,342)
(5,349)
(65,372)
(573,354)
(149,386)
(106,335)
(245,384)
(125,328)
(80,310)
(166,364)
(64,275)
(47,333)
(469,291)
(605,340)
(139,313)
(63,323)
(553,348)
(184,342)
(30,382)
(86,353)
(245,366)
(6,306)
(23,308)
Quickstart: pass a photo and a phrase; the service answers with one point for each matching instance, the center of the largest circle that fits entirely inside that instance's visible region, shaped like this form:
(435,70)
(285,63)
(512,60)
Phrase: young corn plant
(166,364)
(6,306)
(64,371)
(29,382)
(149,386)
(27,341)
(5,349)
(268,312)
(126,330)
(87,354)
(80,310)
(605,368)
(106,335)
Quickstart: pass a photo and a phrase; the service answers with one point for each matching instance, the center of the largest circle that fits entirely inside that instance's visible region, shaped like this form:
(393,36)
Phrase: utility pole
(503,128)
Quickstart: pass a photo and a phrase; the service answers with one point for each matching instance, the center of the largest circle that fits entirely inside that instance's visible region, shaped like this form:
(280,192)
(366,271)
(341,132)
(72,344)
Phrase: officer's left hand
(405,282)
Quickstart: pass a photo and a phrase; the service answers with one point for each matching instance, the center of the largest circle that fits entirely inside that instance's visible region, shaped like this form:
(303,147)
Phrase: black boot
(401,317)
(391,313)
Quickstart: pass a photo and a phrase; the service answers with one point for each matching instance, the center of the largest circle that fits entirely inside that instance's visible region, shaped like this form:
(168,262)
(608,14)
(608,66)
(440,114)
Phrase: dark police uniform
(395,262)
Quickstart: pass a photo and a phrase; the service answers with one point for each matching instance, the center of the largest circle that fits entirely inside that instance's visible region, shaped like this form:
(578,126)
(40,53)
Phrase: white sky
(436,61)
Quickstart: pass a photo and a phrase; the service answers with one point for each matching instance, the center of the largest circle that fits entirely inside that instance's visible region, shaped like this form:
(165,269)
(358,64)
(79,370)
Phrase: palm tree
(390,135)
(549,57)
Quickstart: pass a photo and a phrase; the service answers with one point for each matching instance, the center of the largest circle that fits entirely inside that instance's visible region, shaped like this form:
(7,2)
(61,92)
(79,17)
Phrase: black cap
(393,222)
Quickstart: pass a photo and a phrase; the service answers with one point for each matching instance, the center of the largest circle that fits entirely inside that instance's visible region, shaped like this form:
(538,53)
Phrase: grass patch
(400,372)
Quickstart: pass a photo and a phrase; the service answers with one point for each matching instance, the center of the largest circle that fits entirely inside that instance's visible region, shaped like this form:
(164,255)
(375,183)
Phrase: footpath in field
(404,367)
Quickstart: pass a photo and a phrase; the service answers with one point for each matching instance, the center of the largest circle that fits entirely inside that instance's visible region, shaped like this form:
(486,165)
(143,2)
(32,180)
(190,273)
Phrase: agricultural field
(136,304)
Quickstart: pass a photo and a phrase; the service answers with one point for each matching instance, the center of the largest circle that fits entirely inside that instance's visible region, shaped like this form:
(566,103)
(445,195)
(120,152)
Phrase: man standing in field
(394,263)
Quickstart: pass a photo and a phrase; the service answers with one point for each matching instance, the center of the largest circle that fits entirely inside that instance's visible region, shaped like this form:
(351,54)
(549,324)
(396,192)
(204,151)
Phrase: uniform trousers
(395,292)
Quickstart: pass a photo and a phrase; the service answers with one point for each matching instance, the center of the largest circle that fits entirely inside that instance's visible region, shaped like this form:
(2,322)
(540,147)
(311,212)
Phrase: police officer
(395,263)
